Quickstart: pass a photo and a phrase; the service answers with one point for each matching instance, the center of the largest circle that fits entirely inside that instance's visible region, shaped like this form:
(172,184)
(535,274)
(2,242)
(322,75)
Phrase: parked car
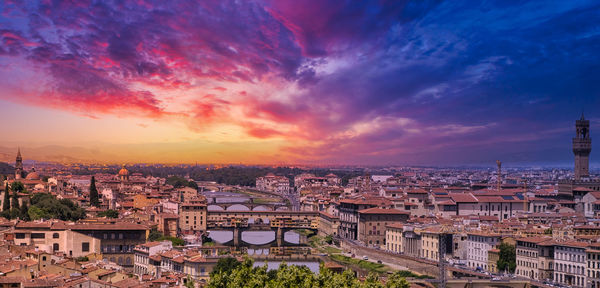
(365,258)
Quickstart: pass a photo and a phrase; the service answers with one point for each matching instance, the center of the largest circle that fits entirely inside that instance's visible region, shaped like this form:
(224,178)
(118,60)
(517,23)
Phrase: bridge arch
(262,208)
(214,208)
(238,207)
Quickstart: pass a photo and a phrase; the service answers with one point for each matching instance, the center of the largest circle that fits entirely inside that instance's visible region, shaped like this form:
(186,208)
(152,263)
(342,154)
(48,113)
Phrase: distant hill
(6,169)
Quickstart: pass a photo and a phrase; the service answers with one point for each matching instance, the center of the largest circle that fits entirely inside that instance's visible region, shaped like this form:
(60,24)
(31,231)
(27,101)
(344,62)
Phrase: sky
(298,82)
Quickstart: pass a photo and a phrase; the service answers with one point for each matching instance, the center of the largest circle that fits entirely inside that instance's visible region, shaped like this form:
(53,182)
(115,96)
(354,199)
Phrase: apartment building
(570,264)
(479,243)
(372,224)
(192,217)
(393,238)
(528,258)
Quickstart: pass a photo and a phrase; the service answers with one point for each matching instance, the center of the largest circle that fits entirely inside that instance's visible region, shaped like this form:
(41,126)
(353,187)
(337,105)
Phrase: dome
(123,171)
(33,175)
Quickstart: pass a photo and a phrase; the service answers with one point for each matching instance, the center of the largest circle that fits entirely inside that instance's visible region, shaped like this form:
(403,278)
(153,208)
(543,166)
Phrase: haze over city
(318,82)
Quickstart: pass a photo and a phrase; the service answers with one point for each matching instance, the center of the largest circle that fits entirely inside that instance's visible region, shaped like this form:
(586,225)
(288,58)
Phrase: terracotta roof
(377,210)
(462,197)
(396,225)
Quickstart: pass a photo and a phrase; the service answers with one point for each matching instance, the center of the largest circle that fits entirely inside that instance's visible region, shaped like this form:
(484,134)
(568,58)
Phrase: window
(55,236)
(85,247)
(55,247)
(20,235)
(38,235)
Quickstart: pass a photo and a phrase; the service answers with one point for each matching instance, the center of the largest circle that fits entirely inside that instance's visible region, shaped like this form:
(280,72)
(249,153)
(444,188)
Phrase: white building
(144,252)
(570,264)
(478,245)
(272,183)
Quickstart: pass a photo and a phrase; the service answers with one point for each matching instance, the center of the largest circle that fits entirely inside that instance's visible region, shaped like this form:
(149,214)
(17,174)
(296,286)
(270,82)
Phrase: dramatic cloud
(338,81)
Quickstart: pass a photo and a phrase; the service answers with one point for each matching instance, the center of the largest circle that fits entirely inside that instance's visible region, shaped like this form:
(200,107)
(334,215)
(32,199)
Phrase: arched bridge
(280,221)
(248,205)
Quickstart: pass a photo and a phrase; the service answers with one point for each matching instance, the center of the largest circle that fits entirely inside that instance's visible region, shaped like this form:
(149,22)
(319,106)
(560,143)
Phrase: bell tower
(582,146)
(19,165)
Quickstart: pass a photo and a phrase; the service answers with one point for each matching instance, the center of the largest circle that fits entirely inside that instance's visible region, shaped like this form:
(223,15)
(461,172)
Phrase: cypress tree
(94,201)
(24,211)
(6,202)
(15,200)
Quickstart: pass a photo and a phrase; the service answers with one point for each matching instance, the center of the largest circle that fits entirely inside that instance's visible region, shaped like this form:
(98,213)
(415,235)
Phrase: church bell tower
(19,165)
(582,146)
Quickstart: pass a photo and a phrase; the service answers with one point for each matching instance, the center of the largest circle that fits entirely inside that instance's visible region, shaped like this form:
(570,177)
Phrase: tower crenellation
(582,147)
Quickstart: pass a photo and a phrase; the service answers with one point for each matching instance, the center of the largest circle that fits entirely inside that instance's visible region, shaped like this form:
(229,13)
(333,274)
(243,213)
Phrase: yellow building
(393,237)
(493,257)
(141,201)
(430,244)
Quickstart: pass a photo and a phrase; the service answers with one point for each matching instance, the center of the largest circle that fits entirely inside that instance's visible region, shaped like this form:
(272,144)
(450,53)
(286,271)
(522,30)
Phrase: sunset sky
(282,82)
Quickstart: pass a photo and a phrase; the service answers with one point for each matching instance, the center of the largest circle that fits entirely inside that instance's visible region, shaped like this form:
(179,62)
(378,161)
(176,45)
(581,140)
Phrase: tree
(231,273)
(15,200)
(396,281)
(226,265)
(6,202)
(48,207)
(94,201)
(24,211)
(189,282)
(507,260)
(36,213)
(154,235)
(109,213)
(17,186)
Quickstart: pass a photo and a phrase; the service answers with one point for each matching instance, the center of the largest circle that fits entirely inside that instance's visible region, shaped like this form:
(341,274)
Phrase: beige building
(328,224)
(54,237)
(192,217)
(114,240)
(430,244)
(493,257)
(546,260)
(393,238)
(372,224)
(528,260)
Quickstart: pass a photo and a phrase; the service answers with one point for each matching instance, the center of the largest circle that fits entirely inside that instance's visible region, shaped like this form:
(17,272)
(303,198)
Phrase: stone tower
(582,146)
(19,165)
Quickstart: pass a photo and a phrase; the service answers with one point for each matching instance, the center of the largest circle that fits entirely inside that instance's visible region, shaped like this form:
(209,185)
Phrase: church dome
(123,171)
(33,175)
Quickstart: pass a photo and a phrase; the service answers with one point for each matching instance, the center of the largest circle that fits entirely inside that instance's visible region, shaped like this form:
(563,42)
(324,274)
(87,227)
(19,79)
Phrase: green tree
(154,235)
(396,281)
(6,202)
(109,213)
(189,283)
(231,273)
(36,213)
(94,201)
(52,208)
(17,186)
(24,211)
(15,200)
(226,265)
(507,260)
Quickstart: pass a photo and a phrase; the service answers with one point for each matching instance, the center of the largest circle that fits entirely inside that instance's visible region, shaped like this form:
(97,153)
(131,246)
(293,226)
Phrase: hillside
(6,169)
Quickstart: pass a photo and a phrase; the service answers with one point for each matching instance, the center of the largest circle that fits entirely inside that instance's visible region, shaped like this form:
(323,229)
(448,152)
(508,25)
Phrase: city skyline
(269,82)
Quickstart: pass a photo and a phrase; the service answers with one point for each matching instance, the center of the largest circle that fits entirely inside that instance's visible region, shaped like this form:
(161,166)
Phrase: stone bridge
(249,205)
(278,221)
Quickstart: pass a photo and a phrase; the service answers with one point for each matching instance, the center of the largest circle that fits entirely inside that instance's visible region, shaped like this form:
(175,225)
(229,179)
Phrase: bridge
(278,221)
(250,205)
